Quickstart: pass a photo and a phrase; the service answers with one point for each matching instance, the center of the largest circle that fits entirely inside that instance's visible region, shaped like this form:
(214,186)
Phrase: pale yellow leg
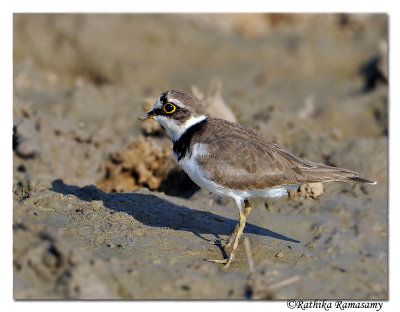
(235,237)
(247,210)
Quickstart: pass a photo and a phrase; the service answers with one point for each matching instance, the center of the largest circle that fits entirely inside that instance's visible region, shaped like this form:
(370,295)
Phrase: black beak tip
(148,115)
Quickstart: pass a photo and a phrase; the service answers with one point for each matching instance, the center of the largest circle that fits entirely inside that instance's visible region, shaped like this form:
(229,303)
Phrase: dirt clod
(309,190)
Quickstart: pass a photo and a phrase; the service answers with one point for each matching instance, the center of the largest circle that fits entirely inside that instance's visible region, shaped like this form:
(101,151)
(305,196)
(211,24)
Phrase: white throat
(176,130)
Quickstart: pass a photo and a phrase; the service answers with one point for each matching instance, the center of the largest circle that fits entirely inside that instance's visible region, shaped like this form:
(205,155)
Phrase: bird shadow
(157,212)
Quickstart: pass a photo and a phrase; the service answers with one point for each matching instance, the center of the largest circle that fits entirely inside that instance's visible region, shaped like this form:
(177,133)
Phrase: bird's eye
(169,108)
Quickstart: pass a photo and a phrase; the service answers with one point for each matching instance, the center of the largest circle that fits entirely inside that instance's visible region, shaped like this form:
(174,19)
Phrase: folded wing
(241,159)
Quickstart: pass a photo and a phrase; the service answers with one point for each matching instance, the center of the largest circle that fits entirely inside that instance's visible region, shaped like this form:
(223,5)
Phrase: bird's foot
(227,262)
(217,260)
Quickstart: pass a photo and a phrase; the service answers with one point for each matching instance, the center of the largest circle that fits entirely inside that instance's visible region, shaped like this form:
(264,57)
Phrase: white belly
(197,174)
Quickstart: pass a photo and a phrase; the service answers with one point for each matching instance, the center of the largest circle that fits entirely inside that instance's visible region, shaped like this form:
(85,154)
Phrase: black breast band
(181,146)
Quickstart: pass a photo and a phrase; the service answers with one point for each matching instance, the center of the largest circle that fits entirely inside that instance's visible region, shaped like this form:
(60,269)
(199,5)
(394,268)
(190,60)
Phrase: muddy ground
(101,209)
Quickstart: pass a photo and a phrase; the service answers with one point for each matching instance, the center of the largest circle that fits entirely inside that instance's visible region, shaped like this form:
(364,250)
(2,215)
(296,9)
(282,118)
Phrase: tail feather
(310,172)
(361,180)
(324,173)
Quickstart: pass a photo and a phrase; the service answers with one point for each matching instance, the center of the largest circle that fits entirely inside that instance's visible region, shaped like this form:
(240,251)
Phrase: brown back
(239,158)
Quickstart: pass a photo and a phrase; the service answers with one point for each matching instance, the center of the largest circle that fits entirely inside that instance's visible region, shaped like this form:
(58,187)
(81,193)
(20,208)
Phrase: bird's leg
(247,209)
(242,222)
(236,234)
(232,237)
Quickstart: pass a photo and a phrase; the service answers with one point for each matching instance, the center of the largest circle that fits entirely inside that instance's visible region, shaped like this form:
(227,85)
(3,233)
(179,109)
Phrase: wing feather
(240,158)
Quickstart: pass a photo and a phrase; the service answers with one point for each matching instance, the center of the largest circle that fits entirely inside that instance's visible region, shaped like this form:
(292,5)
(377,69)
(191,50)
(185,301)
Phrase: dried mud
(101,208)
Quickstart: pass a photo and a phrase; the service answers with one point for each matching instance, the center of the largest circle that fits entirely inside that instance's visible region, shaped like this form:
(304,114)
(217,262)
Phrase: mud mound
(149,163)
(140,163)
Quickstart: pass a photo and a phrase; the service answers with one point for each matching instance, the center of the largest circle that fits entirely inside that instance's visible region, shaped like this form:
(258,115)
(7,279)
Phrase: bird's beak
(148,115)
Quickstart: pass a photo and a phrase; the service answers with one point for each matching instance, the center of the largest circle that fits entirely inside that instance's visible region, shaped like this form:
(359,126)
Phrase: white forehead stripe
(158,103)
(175,101)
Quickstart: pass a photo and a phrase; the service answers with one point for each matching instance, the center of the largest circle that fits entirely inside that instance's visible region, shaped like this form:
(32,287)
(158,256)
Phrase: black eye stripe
(158,111)
(178,111)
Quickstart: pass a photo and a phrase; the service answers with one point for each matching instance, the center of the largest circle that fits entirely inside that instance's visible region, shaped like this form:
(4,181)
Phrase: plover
(231,160)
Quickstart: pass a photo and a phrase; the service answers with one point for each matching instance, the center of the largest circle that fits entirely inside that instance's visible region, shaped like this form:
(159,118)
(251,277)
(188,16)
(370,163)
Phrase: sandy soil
(101,209)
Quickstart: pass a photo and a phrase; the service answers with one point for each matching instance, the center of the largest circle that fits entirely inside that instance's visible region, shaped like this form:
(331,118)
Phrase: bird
(231,160)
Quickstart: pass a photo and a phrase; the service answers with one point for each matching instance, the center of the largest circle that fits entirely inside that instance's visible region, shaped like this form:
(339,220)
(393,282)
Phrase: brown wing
(241,159)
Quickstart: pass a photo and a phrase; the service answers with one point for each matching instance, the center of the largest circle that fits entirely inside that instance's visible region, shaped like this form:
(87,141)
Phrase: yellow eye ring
(169,108)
